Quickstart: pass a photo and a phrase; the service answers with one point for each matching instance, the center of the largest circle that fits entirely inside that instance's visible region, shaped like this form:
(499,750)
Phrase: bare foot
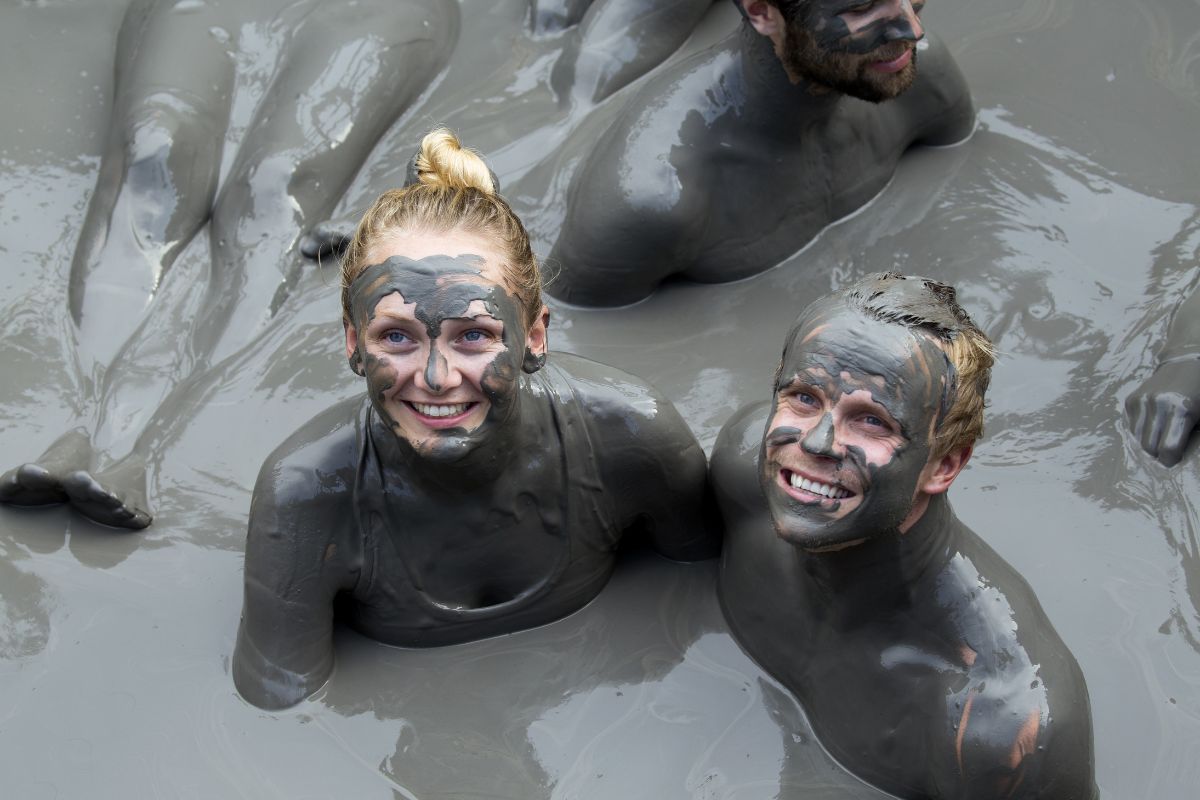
(327,239)
(115,496)
(40,482)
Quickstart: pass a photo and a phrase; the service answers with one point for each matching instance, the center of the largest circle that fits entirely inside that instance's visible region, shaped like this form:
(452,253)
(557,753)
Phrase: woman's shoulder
(326,447)
(604,392)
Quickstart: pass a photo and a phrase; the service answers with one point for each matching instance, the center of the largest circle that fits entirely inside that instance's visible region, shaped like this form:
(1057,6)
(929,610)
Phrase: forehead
(420,245)
(432,289)
(842,342)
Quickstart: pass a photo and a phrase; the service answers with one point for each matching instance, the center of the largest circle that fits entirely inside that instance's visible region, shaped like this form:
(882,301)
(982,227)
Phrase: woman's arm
(299,554)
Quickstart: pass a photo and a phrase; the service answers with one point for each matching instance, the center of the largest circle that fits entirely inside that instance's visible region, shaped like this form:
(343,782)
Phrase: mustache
(890,51)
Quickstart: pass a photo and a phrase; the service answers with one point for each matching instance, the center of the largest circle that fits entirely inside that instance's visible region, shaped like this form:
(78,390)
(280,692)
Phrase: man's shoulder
(734,464)
(939,105)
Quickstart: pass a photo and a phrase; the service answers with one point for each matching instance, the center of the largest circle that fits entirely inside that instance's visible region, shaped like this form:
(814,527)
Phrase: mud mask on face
(840,352)
(831,32)
(441,288)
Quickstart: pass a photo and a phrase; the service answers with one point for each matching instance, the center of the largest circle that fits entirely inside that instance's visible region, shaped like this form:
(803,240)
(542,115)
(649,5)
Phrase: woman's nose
(440,373)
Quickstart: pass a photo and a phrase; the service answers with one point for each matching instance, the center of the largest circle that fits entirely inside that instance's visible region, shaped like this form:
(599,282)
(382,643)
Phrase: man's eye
(396,337)
(872,421)
(860,9)
(804,399)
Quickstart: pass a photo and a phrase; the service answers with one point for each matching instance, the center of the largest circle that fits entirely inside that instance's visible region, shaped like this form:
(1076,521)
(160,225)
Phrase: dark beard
(843,72)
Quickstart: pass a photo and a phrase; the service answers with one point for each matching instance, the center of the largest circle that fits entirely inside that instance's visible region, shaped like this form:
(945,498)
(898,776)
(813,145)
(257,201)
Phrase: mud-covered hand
(330,238)
(1163,411)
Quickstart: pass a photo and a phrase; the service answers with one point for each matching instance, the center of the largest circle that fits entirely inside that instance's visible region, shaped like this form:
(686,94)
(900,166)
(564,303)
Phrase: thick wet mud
(1070,223)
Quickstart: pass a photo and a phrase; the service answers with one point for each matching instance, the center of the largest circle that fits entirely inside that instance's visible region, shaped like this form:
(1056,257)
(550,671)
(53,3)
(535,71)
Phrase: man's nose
(819,440)
(440,373)
(905,25)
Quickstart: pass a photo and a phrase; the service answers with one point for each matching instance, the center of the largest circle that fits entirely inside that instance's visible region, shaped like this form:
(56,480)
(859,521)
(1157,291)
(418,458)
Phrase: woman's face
(440,339)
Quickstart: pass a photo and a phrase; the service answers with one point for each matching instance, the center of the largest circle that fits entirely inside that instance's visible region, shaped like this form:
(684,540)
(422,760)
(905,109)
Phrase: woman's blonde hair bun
(444,161)
(449,187)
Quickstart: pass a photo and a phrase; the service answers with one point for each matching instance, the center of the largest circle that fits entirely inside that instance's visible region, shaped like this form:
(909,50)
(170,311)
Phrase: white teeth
(825,490)
(430,410)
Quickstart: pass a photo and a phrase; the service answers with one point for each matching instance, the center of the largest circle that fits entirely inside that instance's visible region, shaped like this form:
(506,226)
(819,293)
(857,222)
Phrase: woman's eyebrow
(473,317)
(393,315)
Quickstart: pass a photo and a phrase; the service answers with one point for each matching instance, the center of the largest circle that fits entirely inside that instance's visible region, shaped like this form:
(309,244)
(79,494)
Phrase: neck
(774,103)
(888,574)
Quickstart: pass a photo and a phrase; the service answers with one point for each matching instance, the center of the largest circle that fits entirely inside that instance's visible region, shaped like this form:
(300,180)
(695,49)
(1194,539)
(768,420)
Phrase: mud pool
(1070,223)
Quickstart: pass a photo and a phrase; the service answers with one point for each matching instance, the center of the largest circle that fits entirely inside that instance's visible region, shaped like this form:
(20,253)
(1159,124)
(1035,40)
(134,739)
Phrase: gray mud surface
(1070,223)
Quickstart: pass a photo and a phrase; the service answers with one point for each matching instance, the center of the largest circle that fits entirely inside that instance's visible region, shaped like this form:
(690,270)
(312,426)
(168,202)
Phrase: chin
(881,88)
(445,448)
(815,538)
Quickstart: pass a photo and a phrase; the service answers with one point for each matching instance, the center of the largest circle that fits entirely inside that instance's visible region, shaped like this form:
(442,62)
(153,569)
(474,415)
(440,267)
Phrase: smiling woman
(479,488)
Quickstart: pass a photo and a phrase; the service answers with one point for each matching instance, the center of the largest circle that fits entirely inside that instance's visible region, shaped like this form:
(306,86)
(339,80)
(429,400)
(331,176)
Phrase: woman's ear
(535,343)
(352,354)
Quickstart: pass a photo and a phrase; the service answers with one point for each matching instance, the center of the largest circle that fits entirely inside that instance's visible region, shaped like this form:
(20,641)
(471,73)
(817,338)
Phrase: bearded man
(729,161)
(924,661)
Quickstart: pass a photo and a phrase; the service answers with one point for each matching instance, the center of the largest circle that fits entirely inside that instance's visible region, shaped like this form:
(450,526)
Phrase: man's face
(856,406)
(440,341)
(863,48)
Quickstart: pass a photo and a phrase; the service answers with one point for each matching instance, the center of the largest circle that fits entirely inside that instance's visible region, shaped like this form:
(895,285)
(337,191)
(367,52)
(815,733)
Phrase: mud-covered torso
(916,708)
(473,562)
(766,201)
(763,190)
(956,686)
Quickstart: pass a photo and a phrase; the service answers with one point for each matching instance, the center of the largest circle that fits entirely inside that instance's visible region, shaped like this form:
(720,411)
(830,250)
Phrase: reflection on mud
(24,607)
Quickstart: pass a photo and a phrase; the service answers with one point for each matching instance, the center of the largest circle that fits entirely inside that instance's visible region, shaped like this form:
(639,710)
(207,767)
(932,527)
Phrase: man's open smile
(807,488)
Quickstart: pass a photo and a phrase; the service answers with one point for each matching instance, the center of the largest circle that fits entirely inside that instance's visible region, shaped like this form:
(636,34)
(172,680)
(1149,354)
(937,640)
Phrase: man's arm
(1165,408)
(1009,747)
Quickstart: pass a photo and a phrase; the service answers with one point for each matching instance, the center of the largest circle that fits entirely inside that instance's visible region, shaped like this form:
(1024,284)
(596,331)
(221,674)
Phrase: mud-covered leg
(549,16)
(618,41)
(158,175)
(41,482)
(347,74)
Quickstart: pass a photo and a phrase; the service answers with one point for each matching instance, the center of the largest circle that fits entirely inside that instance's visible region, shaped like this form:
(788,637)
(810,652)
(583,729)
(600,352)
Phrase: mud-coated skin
(606,45)
(1165,407)
(924,662)
(618,41)
(720,167)
(345,525)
